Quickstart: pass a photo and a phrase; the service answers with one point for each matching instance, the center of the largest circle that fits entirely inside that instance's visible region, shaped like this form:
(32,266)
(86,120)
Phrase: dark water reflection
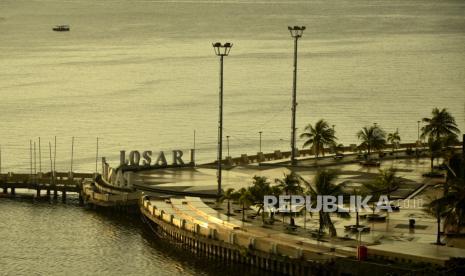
(54,239)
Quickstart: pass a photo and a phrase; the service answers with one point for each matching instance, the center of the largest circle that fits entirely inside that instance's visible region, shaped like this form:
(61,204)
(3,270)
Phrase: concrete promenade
(381,241)
(192,219)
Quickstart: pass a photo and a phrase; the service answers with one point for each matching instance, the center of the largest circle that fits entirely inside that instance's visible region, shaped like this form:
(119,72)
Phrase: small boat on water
(61,28)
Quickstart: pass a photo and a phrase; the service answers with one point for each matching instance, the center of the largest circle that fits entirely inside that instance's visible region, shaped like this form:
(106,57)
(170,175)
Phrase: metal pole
(72,153)
(96,158)
(51,164)
(260,143)
(40,157)
(30,156)
(220,128)
(463,155)
(35,159)
(194,140)
(55,157)
(294,103)
(227,139)
(418,131)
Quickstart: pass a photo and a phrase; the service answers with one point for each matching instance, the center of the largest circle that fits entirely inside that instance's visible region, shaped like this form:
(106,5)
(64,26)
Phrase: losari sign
(137,159)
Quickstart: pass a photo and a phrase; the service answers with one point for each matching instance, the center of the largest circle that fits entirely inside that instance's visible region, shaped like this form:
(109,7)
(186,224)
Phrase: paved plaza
(412,194)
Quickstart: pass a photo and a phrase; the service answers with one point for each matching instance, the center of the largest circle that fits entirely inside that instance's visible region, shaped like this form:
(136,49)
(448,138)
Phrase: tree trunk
(438,235)
(305,217)
(290,210)
(432,161)
(229,208)
(259,209)
(243,212)
(332,230)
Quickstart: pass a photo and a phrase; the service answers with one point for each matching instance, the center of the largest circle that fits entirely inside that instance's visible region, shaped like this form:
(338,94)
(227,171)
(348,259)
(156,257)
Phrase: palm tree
(437,208)
(372,137)
(290,184)
(275,191)
(441,130)
(454,203)
(259,189)
(385,183)
(319,136)
(323,184)
(394,139)
(441,124)
(435,147)
(228,195)
(245,199)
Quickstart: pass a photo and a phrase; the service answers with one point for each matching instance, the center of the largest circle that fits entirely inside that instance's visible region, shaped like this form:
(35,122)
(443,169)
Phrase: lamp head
(222,49)
(296,31)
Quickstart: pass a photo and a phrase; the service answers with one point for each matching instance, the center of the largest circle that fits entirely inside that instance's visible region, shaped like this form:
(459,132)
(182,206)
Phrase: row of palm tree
(440,130)
(252,195)
(450,207)
(290,184)
(321,135)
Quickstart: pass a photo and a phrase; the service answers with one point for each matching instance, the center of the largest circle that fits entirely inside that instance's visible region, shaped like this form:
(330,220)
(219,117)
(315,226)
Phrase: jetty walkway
(50,182)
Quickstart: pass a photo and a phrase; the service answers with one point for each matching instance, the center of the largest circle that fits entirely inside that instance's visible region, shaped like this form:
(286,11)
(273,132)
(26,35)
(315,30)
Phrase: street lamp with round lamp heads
(296,31)
(222,49)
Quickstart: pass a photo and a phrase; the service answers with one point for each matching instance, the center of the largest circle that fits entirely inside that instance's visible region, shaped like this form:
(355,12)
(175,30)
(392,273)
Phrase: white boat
(61,28)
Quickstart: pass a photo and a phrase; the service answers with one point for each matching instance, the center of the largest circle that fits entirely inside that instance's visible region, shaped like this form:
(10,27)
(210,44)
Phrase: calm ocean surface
(143,75)
(65,239)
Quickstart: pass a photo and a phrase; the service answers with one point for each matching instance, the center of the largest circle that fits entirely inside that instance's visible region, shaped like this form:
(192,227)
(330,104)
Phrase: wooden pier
(48,182)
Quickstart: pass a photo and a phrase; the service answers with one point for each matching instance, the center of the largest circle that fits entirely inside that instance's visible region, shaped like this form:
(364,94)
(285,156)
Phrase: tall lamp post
(296,33)
(260,143)
(221,50)
(227,140)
